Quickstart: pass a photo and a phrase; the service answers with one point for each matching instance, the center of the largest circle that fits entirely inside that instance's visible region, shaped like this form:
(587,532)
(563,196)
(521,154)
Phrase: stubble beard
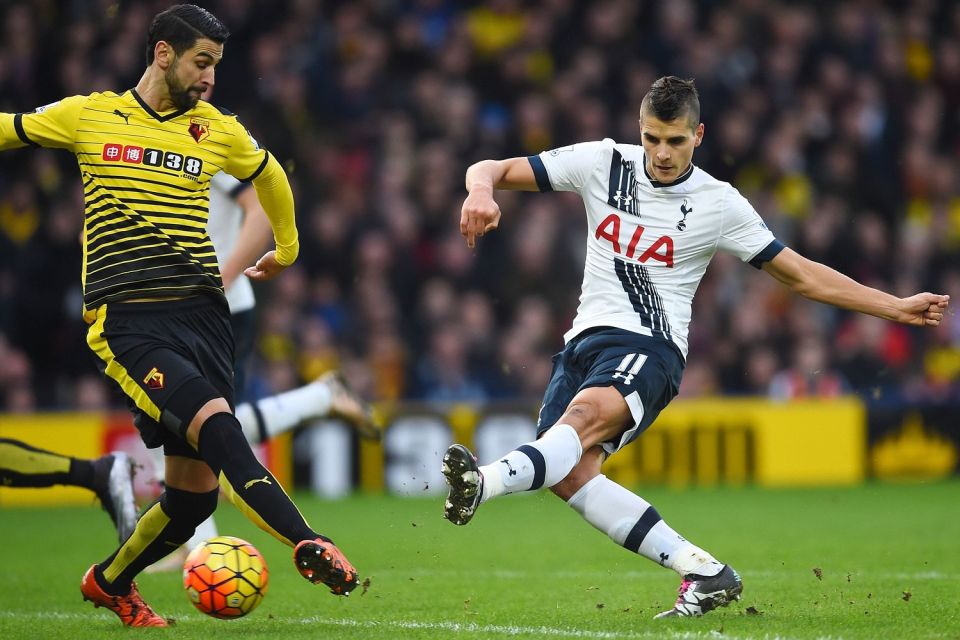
(179,95)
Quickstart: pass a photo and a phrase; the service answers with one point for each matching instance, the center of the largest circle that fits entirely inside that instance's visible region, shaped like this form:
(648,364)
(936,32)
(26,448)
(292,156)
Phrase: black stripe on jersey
(202,196)
(635,280)
(266,156)
(120,176)
(18,127)
(622,189)
(767,254)
(126,245)
(169,269)
(167,203)
(540,173)
(154,114)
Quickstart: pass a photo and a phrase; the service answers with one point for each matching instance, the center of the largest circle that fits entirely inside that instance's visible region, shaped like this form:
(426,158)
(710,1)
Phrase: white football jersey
(648,243)
(223,227)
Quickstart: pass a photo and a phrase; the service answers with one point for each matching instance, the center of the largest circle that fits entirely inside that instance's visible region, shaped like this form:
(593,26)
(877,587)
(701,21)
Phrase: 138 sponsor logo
(170,160)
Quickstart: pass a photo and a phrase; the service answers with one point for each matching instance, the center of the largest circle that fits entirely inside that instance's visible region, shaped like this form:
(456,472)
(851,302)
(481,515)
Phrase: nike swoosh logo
(249,484)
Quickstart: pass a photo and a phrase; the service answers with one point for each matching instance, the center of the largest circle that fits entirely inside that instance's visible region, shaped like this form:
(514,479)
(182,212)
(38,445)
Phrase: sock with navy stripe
(534,465)
(634,524)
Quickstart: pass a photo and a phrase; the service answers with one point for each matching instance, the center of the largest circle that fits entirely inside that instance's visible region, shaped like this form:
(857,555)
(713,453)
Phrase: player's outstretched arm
(821,283)
(480,212)
(274,194)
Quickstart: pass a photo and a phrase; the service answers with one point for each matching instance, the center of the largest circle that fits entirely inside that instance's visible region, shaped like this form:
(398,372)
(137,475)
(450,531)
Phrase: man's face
(668,145)
(191,73)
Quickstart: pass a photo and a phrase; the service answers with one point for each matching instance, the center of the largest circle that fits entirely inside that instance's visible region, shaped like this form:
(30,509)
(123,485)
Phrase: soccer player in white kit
(654,222)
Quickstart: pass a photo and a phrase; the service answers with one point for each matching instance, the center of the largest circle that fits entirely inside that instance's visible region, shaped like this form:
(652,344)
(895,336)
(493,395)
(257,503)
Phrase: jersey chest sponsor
(632,241)
(189,167)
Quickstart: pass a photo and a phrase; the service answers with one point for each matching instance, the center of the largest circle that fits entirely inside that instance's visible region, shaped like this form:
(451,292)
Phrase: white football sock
(634,524)
(282,412)
(531,466)
(159,464)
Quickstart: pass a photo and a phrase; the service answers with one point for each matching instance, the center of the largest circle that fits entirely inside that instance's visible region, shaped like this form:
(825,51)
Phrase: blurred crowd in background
(840,121)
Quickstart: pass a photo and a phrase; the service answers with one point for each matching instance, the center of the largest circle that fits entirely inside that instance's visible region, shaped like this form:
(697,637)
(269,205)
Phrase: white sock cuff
(562,430)
(561,451)
(578,501)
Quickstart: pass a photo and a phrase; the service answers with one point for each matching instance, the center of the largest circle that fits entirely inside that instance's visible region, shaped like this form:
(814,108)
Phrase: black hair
(670,98)
(181,26)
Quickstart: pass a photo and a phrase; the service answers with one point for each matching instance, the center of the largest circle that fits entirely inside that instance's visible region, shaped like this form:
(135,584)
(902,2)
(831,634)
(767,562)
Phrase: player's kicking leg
(633,523)
(327,396)
(529,467)
(220,442)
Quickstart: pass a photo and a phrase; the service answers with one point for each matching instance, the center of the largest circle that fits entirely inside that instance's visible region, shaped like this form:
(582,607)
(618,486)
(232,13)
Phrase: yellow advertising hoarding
(733,441)
(693,442)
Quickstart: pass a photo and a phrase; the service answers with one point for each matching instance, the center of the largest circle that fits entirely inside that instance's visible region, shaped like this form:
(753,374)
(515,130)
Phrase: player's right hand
(266,268)
(480,213)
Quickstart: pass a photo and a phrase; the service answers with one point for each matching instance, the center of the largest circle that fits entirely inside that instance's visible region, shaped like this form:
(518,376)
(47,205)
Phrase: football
(225,577)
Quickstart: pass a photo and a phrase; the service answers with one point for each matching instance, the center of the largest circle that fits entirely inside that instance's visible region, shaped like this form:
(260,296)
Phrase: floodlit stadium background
(839,121)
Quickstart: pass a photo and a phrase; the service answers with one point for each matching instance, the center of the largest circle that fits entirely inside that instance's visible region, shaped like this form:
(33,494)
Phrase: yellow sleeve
(276,197)
(249,163)
(54,125)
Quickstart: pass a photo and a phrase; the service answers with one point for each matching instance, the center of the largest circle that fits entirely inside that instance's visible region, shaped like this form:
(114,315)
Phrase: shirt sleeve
(246,160)
(743,232)
(53,125)
(566,168)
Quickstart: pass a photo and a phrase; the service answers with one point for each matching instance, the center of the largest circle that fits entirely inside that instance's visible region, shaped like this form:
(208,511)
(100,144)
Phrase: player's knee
(581,412)
(187,507)
(202,416)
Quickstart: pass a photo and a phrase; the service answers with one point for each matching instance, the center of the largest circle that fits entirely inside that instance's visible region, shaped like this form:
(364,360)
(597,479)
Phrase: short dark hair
(181,26)
(670,98)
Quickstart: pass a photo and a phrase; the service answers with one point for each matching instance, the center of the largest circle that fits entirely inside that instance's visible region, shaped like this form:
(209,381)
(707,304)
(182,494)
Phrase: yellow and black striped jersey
(146,179)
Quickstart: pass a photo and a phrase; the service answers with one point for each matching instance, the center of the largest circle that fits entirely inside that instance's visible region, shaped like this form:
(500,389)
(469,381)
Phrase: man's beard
(181,96)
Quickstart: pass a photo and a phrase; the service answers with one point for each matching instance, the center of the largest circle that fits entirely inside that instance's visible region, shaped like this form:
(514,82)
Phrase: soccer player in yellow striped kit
(153,296)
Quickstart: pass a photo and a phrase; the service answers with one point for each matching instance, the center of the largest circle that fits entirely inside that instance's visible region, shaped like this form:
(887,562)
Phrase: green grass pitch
(879,561)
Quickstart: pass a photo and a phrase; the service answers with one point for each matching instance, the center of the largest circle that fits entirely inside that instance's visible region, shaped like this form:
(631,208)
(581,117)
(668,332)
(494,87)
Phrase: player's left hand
(924,309)
(266,268)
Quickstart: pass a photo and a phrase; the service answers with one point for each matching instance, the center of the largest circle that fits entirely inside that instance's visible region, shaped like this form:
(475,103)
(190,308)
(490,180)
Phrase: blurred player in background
(655,221)
(240,231)
(153,295)
(109,477)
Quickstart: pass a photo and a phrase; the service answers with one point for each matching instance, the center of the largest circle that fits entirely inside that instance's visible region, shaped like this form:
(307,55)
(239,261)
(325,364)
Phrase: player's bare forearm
(513,174)
(823,284)
(480,212)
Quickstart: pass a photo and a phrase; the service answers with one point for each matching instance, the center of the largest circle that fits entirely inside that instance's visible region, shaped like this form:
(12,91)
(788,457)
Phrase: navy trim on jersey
(18,127)
(225,112)
(266,156)
(767,254)
(540,173)
(656,183)
(539,465)
(154,114)
(644,297)
(640,530)
(623,184)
